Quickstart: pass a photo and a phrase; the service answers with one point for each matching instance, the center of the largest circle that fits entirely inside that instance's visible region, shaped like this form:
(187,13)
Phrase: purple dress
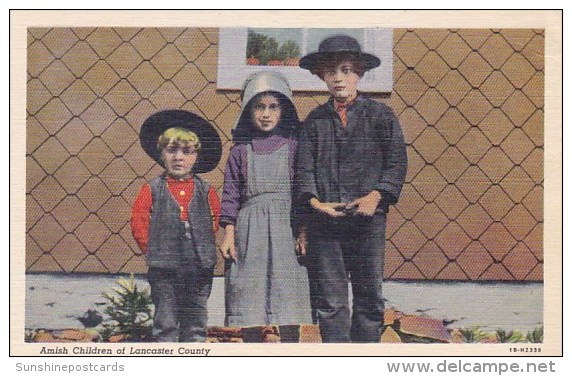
(266,285)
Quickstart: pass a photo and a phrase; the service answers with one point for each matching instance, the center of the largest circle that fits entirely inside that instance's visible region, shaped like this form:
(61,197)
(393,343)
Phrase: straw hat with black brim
(211,146)
(339,45)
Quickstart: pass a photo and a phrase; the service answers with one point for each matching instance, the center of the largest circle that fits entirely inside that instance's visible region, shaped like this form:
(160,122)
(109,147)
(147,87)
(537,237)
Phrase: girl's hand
(228,249)
(301,242)
(365,205)
(328,208)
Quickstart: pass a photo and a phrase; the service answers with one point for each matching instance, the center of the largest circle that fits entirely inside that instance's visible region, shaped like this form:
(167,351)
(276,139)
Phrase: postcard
(186,182)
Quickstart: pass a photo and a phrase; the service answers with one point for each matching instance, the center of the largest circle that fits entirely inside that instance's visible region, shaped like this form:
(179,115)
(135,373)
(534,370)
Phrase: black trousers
(343,251)
(180,299)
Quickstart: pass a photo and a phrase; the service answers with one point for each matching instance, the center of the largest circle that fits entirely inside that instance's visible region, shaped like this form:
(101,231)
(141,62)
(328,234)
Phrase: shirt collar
(339,105)
(171,179)
(336,105)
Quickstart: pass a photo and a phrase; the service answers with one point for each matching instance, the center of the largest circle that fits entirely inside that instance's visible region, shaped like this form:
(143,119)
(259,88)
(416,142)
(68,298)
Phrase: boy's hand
(301,242)
(332,209)
(365,205)
(228,249)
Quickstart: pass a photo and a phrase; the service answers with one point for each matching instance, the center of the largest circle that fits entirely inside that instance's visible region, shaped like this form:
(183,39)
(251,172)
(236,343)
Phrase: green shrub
(288,49)
(473,334)
(536,336)
(510,337)
(29,335)
(129,310)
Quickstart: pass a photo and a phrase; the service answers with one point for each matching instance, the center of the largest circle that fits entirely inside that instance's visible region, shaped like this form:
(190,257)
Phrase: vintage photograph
(224,183)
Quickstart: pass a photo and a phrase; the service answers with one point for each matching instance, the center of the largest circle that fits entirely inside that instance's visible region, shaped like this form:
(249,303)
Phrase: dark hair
(287,126)
(333,59)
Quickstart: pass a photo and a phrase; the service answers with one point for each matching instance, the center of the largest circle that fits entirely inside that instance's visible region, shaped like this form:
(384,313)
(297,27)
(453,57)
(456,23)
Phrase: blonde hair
(178,136)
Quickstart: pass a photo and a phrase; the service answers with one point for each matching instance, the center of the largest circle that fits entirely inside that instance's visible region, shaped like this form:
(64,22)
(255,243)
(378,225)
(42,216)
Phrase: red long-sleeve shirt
(182,191)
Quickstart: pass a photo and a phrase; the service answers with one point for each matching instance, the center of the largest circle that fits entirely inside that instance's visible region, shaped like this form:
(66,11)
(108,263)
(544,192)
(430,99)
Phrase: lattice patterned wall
(470,102)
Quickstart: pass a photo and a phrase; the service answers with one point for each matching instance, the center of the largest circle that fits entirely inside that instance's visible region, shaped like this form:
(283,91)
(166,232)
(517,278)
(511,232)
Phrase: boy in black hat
(351,166)
(174,219)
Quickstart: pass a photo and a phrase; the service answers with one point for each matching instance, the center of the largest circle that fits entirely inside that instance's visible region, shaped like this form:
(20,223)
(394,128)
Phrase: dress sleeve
(306,187)
(141,217)
(298,213)
(234,181)
(214,203)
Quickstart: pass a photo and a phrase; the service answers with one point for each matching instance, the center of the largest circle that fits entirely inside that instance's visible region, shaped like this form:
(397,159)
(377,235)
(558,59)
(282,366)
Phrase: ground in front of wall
(426,311)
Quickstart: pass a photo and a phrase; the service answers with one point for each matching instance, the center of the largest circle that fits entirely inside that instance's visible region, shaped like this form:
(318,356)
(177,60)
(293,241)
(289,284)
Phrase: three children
(346,169)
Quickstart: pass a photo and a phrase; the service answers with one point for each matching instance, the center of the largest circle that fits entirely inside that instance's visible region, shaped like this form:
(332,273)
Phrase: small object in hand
(347,210)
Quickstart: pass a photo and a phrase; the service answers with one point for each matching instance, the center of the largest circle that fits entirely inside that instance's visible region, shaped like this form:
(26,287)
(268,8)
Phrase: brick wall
(470,102)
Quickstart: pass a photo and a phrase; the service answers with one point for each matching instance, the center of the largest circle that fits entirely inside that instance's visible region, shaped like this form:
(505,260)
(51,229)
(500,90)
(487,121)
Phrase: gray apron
(266,285)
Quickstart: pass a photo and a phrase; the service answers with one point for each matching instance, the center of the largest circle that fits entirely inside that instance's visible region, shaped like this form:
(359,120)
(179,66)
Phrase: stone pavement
(55,302)
(398,328)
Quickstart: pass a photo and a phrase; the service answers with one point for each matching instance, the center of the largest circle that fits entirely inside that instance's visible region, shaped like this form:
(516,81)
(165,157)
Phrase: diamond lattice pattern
(470,102)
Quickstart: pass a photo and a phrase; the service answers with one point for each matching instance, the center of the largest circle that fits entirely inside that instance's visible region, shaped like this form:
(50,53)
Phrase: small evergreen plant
(510,337)
(473,334)
(130,311)
(536,336)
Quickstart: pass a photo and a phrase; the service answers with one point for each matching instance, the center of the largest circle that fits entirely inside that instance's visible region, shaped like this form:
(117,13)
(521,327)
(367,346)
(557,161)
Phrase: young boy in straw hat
(351,166)
(174,219)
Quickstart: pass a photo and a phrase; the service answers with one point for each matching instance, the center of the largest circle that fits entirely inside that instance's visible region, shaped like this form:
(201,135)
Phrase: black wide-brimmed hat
(337,45)
(156,124)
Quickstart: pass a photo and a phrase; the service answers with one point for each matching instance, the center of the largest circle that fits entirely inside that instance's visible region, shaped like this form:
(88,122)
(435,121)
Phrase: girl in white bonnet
(265,281)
